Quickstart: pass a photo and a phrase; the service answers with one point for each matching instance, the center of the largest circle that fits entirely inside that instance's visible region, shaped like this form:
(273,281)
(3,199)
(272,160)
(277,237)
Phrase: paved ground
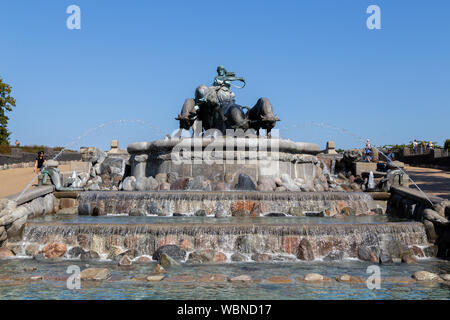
(433,181)
(15,180)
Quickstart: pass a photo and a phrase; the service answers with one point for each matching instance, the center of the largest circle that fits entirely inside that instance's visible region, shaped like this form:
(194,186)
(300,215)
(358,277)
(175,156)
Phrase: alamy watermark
(74,280)
(74,20)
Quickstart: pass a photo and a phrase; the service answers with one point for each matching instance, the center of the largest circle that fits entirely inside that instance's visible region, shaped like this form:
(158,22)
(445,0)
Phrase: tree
(6,104)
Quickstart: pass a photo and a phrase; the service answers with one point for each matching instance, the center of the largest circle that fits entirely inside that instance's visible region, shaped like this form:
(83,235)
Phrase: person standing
(39,162)
(368,151)
(430,145)
(414,146)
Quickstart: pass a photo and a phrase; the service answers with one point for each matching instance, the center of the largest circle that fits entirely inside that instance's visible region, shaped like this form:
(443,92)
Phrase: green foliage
(6,104)
(447,144)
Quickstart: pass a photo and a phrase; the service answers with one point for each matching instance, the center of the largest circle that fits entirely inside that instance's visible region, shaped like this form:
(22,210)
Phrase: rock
(125,261)
(245,183)
(219,210)
(352,155)
(200,213)
(296,211)
(161,177)
(75,252)
(434,217)
(275,214)
(29,269)
(212,278)
(408,259)
(237,257)
(159,269)
(4,252)
(116,252)
(172,177)
(279,280)
(249,244)
(222,186)
(89,255)
(143,260)
(366,254)
(430,231)
(96,274)
(334,256)
(129,183)
(268,181)
(172,250)
(242,208)
(155,209)
(355,187)
(197,183)
(241,278)
(445,277)
(164,186)
(288,183)
(315,214)
(141,184)
(259,257)
(182,278)
(347,211)
(349,279)
(166,261)
(155,278)
(319,188)
(264,187)
(430,251)
(180,184)
(313,277)
(426,276)
(68,211)
(136,212)
(113,165)
(304,250)
(32,250)
(54,250)
(280,189)
(152,184)
(395,164)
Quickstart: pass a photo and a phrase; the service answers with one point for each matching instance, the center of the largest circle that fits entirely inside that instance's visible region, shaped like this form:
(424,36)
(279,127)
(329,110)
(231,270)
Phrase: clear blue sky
(139,60)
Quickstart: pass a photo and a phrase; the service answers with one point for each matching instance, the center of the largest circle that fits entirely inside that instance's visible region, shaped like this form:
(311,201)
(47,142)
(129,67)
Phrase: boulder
(4,252)
(75,252)
(125,261)
(95,274)
(172,250)
(113,165)
(241,278)
(143,260)
(313,277)
(237,257)
(222,186)
(158,269)
(89,255)
(426,276)
(180,184)
(161,177)
(129,183)
(334,256)
(288,183)
(249,244)
(349,279)
(172,177)
(135,212)
(264,187)
(32,250)
(219,210)
(200,213)
(141,184)
(304,250)
(167,261)
(296,211)
(260,257)
(164,186)
(434,217)
(155,278)
(245,183)
(54,250)
(367,254)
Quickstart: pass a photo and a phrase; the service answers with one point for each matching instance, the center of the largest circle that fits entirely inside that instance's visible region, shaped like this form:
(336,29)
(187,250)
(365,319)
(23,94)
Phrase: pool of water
(125,219)
(123,286)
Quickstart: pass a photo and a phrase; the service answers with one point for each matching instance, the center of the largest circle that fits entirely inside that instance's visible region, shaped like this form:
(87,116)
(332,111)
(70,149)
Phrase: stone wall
(17,156)
(432,159)
(433,212)
(29,164)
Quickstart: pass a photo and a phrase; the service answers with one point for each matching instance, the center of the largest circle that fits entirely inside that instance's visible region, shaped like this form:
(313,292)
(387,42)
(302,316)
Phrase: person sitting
(368,152)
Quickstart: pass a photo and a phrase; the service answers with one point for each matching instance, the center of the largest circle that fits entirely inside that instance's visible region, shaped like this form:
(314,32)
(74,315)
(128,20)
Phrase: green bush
(447,144)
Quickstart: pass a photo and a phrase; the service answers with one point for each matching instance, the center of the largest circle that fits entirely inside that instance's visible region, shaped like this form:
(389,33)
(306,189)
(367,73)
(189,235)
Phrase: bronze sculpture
(216,108)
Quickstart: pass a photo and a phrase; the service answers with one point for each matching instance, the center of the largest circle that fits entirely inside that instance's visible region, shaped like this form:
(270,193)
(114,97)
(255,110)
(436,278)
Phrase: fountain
(224,195)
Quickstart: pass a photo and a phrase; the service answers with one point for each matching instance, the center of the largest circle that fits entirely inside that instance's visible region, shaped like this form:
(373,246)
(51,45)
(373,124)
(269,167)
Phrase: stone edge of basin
(284,145)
